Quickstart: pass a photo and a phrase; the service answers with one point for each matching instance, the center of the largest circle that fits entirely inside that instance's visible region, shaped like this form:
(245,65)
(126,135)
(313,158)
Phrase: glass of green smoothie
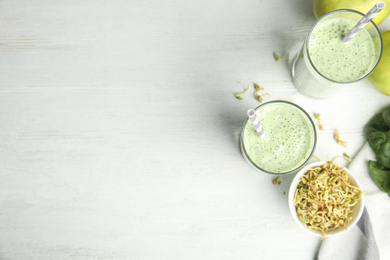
(289,142)
(325,64)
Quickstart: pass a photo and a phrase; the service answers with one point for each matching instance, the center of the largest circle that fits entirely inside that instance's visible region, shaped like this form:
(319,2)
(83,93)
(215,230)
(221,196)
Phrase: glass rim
(312,148)
(323,17)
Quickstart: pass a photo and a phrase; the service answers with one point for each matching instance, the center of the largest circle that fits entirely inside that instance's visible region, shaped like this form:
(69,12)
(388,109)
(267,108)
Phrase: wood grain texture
(119,129)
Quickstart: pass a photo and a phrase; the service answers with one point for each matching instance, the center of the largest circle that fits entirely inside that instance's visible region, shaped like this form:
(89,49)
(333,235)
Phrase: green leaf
(380,122)
(386,117)
(380,144)
(380,175)
(377,132)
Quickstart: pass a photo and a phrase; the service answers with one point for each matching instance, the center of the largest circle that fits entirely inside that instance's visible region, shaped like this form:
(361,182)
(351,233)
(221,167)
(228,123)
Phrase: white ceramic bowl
(357,212)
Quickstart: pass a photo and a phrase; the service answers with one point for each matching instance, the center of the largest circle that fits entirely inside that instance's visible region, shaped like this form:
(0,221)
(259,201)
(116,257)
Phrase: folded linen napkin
(360,242)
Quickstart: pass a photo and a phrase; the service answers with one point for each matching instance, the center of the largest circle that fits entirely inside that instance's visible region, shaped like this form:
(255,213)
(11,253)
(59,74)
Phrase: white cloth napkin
(360,242)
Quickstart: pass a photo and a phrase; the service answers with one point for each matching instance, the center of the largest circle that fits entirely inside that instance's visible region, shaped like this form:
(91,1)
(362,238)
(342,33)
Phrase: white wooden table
(119,128)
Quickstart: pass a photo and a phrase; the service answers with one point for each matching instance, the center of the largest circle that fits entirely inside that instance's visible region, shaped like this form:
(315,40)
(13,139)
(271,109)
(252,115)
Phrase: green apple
(321,7)
(380,78)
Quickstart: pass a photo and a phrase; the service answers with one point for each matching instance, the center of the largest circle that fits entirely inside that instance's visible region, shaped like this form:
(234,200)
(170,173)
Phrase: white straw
(256,123)
(364,21)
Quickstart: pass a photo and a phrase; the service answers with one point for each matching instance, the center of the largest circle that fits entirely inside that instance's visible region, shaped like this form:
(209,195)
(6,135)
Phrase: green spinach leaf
(377,132)
(380,175)
(380,144)
(377,123)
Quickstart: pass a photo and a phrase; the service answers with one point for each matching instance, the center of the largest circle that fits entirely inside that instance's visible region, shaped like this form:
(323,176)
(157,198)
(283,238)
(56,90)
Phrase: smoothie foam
(336,60)
(290,138)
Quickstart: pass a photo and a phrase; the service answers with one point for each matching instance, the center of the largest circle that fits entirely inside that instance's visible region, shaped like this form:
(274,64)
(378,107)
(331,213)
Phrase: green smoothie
(290,138)
(336,60)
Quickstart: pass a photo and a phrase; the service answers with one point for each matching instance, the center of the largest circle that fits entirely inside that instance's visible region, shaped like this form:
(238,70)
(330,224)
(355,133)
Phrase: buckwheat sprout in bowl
(325,198)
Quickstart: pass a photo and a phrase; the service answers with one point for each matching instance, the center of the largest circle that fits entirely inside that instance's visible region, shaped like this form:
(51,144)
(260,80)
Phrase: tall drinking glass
(325,64)
(289,142)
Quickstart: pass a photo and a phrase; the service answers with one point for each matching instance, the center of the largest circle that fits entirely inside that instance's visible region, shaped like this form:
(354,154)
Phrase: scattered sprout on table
(347,157)
(239,95)
(338,140)
(316,157)
(319,123)
(276,180)
(257,94)
(277,57)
